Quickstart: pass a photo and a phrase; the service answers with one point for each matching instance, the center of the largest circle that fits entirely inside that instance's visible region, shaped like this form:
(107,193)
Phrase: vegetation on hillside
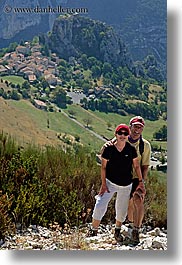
(42,186)
(107,87)
(30,125)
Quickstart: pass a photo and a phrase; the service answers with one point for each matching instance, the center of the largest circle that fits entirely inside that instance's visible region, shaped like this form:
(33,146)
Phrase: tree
(26,85)
(1,91)
(35,40)
(84,103)
(12,46)
(84,61)
(161,134)
(149,61)
(72,113)
(45,50)
(87,121)
(63,63)
(107,68)
(92,61)
(96,71)
(132,86)
(60,98)
(109,125)
(25,94)
(15,95)
(86,86)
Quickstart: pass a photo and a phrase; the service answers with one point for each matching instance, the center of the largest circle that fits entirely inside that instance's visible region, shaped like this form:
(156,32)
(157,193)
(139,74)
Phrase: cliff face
(141,24)
(74,35)
(14,22)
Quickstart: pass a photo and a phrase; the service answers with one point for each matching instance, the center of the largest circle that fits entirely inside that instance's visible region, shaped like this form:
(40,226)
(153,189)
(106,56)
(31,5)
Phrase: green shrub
(54,185)
(6,224)
(156,199)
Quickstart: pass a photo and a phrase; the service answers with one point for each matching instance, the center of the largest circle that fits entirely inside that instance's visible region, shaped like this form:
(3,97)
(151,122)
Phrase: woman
(116,174)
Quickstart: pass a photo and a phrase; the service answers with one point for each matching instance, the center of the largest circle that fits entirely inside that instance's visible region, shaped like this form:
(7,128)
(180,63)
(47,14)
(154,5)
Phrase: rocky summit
(58,238)
(74,35)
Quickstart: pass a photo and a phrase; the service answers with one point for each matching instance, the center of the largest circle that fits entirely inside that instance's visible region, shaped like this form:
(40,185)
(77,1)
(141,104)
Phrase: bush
(6,224)
(156,200)
(48,185)
(42,186)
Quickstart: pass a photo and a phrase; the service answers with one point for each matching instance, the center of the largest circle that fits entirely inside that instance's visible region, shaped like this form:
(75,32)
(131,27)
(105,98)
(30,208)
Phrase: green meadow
(101,123)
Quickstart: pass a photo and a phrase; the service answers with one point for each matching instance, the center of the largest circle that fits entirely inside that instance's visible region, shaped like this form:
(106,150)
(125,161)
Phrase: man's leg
(138,214)
(131,207)
(131,204)
(130,217)
(130,210)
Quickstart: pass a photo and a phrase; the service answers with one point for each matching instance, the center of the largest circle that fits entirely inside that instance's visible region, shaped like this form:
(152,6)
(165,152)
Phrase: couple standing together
(124,167)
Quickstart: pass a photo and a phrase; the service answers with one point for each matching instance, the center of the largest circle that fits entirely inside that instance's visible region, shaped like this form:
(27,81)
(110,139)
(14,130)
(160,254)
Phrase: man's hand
(108,143)
(141,187)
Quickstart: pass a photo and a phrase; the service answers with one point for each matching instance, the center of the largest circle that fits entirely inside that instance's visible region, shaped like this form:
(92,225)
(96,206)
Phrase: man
(117,163)
(136,203)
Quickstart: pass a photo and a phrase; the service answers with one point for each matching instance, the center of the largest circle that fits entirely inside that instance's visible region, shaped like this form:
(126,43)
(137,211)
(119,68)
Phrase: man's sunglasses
(125,133)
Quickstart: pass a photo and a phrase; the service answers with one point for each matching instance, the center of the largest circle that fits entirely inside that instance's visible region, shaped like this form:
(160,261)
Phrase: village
(28,62)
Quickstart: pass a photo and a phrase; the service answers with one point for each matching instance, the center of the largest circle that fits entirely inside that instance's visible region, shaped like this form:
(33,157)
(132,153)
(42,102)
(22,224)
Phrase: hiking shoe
(118,236)
(92,232)
(135,237)
(130,229)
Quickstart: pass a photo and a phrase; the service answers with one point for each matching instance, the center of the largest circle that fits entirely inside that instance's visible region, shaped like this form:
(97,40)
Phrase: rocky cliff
(75,35)
(23,19)
(141,24)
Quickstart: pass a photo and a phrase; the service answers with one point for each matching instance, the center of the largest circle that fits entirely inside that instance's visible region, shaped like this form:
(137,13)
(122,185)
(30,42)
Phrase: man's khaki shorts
(134,189)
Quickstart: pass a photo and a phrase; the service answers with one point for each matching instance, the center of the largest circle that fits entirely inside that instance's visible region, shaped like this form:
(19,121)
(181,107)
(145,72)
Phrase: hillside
(141,24)
(27,124)
(21,125)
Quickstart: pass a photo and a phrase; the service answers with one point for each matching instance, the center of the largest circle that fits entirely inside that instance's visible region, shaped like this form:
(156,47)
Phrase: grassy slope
(14,79)
(28,124)
(100,120)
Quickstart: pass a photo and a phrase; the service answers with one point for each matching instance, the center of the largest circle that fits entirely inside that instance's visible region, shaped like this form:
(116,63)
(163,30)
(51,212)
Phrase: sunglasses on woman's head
(125,133)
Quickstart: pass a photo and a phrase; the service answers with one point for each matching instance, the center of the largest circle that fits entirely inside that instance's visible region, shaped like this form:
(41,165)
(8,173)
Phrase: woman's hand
(103,189)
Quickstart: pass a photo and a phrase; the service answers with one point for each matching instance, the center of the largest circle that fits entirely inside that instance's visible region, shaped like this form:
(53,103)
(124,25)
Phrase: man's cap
(122,126)
(137,120)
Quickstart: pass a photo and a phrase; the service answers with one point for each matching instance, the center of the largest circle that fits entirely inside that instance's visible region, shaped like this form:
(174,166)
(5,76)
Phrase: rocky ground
(57,238)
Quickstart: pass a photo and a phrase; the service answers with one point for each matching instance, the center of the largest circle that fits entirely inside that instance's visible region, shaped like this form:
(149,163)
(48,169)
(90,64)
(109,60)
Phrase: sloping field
(27,124)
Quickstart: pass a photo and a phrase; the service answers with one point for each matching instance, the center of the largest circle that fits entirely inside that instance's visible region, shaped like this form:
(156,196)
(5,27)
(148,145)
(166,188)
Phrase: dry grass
(155,88)
(136,101)
(22,127)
